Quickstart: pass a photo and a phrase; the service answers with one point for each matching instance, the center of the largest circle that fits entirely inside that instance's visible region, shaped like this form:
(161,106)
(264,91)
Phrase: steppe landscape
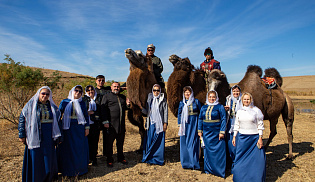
(302,168)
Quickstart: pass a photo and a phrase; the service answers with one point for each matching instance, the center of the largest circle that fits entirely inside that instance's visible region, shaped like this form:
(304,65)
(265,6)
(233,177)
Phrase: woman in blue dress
(156,125)
(211,127)
(188,113)
(73,152)
(233,104)
(250,157)
(39,131)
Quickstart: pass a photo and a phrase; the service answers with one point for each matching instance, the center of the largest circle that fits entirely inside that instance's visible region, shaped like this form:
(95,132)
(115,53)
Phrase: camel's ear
(222,75)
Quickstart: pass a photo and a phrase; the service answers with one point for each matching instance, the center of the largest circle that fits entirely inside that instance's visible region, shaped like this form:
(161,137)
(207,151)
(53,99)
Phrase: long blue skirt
(40,164)
(189,145)
(231,148)
(214,151)
(250,161)
(153,146)
(73,152)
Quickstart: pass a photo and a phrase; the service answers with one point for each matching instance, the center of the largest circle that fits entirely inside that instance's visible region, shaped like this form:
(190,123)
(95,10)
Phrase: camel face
(180,64)
(136,58)
(215,78)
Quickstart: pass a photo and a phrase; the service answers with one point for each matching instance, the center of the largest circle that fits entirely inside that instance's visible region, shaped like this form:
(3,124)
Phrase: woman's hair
(79,87)
(236,86)
(187,88)
(250,95)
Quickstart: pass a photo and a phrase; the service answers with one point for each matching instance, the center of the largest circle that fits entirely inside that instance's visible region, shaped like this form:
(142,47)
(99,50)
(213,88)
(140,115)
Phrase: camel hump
(254,68)
(273,72)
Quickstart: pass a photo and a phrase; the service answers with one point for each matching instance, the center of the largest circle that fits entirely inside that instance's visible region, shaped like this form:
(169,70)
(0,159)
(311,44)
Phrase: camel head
(215,78)
(181,64)
(136,58)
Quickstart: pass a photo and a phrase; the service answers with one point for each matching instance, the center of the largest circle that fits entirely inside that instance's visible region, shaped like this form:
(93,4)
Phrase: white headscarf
(184,115)
(92,104)
(155,115)
(238,99)
(30,113)
(251,108)
(216,102)
(68,110)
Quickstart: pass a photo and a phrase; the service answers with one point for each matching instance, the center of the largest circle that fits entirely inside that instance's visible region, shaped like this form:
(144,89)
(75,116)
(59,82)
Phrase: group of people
(65,139)
(226,133)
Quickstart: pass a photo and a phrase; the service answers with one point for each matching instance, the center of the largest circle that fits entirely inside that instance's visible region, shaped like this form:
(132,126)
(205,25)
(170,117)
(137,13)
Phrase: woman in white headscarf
(233,104)
(39,131)
(92,102)
(188,112)
(250,157)
(211,126)
(156,125)
(73,152)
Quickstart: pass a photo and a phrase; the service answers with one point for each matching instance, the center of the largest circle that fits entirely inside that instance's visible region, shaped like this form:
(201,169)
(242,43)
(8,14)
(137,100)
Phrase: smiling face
(246,100)
(100,82)
(77,93)
(236,92)
(44,95)
(115,88)
(187,94)
(150,51)
(212,97)
(90,91)
(156,91)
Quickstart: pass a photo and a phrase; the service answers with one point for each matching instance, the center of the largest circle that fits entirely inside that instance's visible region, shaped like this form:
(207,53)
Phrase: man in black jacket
(113,107)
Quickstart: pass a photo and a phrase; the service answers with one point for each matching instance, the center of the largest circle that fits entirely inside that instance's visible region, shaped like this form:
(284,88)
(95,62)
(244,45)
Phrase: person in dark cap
(210,63)
(157,65)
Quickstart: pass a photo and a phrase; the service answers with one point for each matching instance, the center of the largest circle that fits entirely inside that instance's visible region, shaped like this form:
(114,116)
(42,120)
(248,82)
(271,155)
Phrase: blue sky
(89,37)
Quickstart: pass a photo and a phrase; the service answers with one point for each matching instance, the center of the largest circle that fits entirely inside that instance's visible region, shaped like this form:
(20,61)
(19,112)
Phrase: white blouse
(249,121)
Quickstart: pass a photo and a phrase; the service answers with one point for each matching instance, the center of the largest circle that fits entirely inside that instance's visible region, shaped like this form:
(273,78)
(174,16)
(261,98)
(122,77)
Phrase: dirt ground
(301,168)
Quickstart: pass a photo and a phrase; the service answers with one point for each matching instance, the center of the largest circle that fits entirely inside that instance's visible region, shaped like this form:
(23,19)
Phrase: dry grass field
(301,168)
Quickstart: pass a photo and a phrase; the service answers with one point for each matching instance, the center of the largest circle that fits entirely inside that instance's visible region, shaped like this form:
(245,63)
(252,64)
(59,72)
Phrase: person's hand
(23,140)
(164,126)
(127,101)
(221,136)
(87,131)
(200,135)
(233,141)
(90,112)
(260,143)
(226,108)
(106,125)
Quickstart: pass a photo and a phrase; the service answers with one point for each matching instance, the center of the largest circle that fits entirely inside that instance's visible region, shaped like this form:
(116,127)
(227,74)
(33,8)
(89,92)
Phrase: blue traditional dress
(250,161)
(154,140)
(73,152)
(190,142)
(212,122)
(40,161)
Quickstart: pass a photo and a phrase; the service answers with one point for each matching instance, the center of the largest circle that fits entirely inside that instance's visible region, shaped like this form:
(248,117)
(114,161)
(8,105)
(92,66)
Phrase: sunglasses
(89,90)
(156,90)
(80,91)
(208,54)
(150,49)
(44,93)
(101,80)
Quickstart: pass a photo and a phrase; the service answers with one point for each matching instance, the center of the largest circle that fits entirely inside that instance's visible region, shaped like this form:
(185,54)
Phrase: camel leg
(137,121)
(273,131)
(288,118)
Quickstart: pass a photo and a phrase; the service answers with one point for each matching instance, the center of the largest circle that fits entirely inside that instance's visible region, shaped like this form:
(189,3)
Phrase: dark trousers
(120,138)
(105,133)
(93,139)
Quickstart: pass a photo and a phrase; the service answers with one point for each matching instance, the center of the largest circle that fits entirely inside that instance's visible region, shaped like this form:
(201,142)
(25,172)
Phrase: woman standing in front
(211,126)
(39,131)
(250,157)
(156,125)
(188,113)
(73,152)
(233,104)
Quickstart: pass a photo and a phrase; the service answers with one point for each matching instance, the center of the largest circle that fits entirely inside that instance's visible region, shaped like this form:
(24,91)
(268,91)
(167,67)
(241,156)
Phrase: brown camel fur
(184,74)
(139,84)
(217,81)
(272,102)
